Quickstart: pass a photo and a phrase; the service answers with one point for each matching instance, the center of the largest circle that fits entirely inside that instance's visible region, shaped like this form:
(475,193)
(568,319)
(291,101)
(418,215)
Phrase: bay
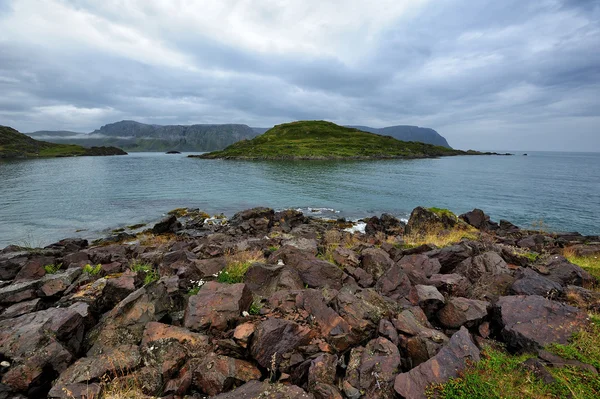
(44,200)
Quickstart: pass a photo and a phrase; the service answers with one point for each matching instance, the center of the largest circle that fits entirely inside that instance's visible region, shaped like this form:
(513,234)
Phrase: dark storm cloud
(484,74)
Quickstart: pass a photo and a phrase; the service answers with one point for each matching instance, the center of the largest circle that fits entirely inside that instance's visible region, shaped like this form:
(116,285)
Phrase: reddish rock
(215,373)
(264,390)
(264,280)
(463,311)
(429,299)
(387,330)
(448,363)
(376,262)
(76,259)
(169,224)
(565,273)
(11,263)
(450,284)
(532,322)
(34,268)
(322,370)
(20,308)
(422,220)
(242,334)
(274,338)
(364,279)
(54,284)
(116,289)
(155,331)
(216,305)
(372,369)
(420,266)
(394,283)
(530,282)
(345,257)
(482,266)
(450,257)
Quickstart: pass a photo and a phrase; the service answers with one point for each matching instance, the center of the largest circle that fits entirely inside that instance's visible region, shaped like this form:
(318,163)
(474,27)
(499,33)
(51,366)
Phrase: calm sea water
(44,200)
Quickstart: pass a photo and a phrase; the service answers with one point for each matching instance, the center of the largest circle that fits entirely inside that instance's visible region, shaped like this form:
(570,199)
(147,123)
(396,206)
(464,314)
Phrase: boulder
(288,219)
(376,262)
(478,219)
(345,257)
(257,389)
(18,292)
(11,263)
(169,224)
(216,374)
(54,284)
(394,283)
(419,267)
(314,272)
(532,322)
(530,282)
(275,338)
(386,329)
(463,312)
(482,266)
(264,280)
(40,345)
(448,363)
(429,299)
(115,362)
(372,369)
(424,220)
(309,245)
(33,269)
(21,308)
(450,257)
(535,242)
(253,221)
(419,340)
(450,284)
(322,374)
(126,322)
(565,273)
(216,305)
(364,279)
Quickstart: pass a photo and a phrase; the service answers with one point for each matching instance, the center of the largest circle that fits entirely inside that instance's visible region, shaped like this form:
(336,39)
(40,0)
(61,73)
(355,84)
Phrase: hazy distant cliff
(408,133)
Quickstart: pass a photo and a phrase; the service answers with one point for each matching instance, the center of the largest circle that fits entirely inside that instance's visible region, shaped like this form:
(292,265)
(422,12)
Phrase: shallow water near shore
(44,200)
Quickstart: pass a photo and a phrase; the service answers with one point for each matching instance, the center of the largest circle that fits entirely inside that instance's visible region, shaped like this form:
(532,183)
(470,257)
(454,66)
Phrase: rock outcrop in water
(277,305)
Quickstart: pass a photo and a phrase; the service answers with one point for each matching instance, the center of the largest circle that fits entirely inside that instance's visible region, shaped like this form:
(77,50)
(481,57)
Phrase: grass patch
(443,212)
(237,266)
(439,237)
(500,375)
(151,240)
(255,308)
(150,275)
(590,263)
(92,270)
(52,269)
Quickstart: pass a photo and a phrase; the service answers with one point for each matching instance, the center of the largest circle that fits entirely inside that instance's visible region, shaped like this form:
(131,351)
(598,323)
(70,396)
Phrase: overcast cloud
(486,74)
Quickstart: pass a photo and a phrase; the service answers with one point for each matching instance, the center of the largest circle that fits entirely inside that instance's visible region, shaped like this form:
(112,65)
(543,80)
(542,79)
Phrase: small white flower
(280,263)
(5,364)
(245,314)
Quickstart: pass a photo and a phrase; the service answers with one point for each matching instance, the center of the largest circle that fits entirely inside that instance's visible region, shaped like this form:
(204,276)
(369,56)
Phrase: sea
(45,200)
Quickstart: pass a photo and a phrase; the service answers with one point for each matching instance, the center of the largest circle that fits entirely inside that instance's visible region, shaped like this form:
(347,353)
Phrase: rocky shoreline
(279,305)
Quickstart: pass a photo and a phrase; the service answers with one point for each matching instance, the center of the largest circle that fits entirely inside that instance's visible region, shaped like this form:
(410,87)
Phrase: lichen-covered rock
(216,305)
(463,312)
(448,363)
(264,390)
(264,280)
(376,262)
(216,374)
(530,282)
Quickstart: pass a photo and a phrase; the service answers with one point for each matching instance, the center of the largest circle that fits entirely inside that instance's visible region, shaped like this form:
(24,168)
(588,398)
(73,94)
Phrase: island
(314,140)
(14,144)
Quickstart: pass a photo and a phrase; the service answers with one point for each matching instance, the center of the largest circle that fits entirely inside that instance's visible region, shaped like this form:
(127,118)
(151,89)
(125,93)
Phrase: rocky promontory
(279,305)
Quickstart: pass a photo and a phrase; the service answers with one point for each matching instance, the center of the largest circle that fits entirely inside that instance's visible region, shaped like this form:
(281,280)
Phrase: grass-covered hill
(18,145)
(326,140)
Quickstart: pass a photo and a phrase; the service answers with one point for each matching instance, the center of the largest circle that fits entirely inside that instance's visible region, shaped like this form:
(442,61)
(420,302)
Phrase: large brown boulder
(394,283)
(216,305)
(33,269)
(532,322)
(565,273)
(463,312)
(372,369)
(376,262)
(530,282)
(169,224)
(315,273)
(216,374)
(40,345)
(11,262)
(264,280)
(448,363)
(274,338)
(482,266)
(419,268)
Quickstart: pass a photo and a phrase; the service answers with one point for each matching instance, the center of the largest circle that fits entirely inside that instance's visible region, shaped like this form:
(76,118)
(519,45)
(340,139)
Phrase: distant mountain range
(136,136)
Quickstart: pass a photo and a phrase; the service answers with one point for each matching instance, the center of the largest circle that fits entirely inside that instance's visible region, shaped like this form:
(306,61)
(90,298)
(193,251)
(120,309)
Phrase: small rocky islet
(279,305)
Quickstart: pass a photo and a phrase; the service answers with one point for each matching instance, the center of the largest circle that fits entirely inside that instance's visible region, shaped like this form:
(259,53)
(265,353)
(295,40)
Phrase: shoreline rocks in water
(280,305)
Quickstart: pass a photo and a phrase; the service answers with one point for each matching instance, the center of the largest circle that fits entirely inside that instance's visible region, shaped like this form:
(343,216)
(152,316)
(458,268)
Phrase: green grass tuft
(52,269)
(92,270)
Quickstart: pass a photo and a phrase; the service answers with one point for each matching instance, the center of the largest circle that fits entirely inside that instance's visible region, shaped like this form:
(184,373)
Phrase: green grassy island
(326,140)
(18,145)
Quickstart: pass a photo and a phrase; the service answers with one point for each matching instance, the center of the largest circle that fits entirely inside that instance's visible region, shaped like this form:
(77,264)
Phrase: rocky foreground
(278,305)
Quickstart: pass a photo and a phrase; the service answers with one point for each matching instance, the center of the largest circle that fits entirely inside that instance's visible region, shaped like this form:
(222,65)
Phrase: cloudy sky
(486,74)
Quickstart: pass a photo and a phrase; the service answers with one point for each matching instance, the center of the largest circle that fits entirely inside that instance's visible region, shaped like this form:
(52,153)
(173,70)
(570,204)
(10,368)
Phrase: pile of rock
(382,321)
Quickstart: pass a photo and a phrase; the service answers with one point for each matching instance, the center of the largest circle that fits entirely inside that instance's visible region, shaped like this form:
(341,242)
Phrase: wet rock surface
(317,311)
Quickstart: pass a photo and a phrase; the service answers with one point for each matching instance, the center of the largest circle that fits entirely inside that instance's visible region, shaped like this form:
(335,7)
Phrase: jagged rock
(419,340)
(215,373)
(253,221)
(18,292)
(557,361)
(429,299)
(424,220)
(321,376)
(419,268)
(288,219)
(216,305)
(372,369)
(450,257)
(529,282)
(532,322)
(274,338)
(169,224)
(582,297)
(463,312)
(484,265)
(126,322)
(450,284)
(314,272)
(107,254)
(69,245)
(387,330)
(41,345)
(478,219)
(364,279)
(376,262)
(387,224)
(264,280)
(448,363)
(565,273)
(11,263)
(346,257)
(243,333)
(309,245)
(114,362)
(257,389)
(534,242)
(20,308)
(539,370)
(395,283)
(33,269)
(54,284)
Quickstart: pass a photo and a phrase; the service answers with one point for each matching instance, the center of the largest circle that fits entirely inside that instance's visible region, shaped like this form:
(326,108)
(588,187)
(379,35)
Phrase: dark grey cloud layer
(485,74)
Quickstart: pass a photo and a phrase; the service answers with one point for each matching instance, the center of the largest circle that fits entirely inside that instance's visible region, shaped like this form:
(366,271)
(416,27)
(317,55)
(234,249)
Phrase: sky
(486,74)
